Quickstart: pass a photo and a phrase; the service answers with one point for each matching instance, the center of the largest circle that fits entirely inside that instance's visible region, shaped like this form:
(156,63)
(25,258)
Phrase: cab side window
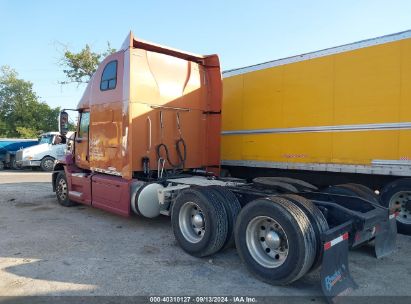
(109,76)
(84,125)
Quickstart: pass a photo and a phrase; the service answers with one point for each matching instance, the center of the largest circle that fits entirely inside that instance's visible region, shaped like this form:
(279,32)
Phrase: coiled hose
(181,155)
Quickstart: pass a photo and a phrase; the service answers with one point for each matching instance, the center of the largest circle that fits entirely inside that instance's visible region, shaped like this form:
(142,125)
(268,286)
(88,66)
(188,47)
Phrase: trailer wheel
(232,207)
(316,217)
(397,197)
(62,190)
(199,222)
(275,239)
(47,163)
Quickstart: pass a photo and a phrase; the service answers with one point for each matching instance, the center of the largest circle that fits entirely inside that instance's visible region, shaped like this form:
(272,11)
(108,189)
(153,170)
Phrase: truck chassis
(282,227)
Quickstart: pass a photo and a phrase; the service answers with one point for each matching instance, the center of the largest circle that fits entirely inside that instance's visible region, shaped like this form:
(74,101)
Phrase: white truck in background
(51,146)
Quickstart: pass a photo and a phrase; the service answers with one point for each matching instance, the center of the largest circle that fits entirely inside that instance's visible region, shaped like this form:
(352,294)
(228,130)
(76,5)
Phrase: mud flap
(335,276)
(385,237)
(364,236)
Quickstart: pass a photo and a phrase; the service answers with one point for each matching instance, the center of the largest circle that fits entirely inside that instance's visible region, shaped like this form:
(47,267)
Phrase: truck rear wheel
(397,197)
(316,217)
(47,163)
(276,240)
(199,222)
(232,207)
(13,163)
(62,190)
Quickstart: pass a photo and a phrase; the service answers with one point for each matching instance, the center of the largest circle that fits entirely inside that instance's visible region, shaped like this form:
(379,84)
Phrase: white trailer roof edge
(321,53)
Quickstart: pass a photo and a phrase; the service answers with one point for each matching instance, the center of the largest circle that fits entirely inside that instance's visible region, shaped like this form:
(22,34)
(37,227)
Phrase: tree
(21,112)
(79,67)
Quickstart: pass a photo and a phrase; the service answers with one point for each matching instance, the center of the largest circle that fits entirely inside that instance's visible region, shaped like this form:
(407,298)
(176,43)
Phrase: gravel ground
(46,249)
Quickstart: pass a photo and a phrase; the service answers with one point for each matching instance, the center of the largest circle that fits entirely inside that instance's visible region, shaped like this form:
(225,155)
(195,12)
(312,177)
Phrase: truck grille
(19,155)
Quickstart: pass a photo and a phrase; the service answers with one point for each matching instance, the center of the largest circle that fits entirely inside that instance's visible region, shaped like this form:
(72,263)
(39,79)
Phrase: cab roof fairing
(211,61)
(132,42)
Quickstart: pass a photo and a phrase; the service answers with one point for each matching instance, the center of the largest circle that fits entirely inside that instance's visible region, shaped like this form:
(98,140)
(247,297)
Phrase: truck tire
(47,164)
(276,240)
(13,164)
(316,217)
(397,197)
(232,207)
(62,190)
(199,222)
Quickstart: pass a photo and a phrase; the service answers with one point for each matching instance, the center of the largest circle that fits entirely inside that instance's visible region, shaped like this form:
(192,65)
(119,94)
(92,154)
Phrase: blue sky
(241,32)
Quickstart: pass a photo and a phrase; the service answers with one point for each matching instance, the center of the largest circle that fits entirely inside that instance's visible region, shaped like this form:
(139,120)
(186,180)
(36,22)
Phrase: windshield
(46,139)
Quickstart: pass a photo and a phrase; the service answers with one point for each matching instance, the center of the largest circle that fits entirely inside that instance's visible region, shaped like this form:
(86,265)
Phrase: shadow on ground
(47,249)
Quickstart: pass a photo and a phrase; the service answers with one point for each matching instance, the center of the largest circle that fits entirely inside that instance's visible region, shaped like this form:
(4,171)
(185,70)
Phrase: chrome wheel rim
(62,189)
(48,164)
(401,202)
(267,242)
(192,222)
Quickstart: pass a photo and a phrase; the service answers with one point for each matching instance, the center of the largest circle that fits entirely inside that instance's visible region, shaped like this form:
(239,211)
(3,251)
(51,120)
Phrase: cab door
(81,150)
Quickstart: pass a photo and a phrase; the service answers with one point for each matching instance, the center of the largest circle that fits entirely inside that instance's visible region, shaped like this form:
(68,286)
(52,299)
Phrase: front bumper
(28,163)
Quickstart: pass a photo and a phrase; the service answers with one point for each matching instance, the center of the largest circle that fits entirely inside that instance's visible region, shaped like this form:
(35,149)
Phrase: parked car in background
(51,146)
(8,149)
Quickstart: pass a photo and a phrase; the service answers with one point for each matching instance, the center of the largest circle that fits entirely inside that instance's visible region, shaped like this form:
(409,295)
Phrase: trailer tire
(199,222)
(62,190)
(47,164)
(294,238)
(232,207)
(393,197)
(319,221)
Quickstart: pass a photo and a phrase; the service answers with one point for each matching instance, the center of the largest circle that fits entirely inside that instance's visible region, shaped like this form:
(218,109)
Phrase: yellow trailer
(341,114)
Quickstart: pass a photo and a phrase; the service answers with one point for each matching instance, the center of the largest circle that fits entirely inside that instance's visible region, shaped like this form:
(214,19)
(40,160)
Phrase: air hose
(180,144)
(181,153)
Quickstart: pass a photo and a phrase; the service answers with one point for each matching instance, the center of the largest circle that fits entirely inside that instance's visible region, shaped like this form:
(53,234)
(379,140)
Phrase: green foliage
(21,112)
(72,126)
(79,67)
(27,132)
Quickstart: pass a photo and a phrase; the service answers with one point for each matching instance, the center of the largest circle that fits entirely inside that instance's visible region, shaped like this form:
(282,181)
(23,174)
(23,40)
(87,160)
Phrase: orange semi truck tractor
(148,142)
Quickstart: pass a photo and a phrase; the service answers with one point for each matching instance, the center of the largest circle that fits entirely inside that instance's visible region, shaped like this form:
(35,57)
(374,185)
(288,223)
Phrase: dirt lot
(46,249)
